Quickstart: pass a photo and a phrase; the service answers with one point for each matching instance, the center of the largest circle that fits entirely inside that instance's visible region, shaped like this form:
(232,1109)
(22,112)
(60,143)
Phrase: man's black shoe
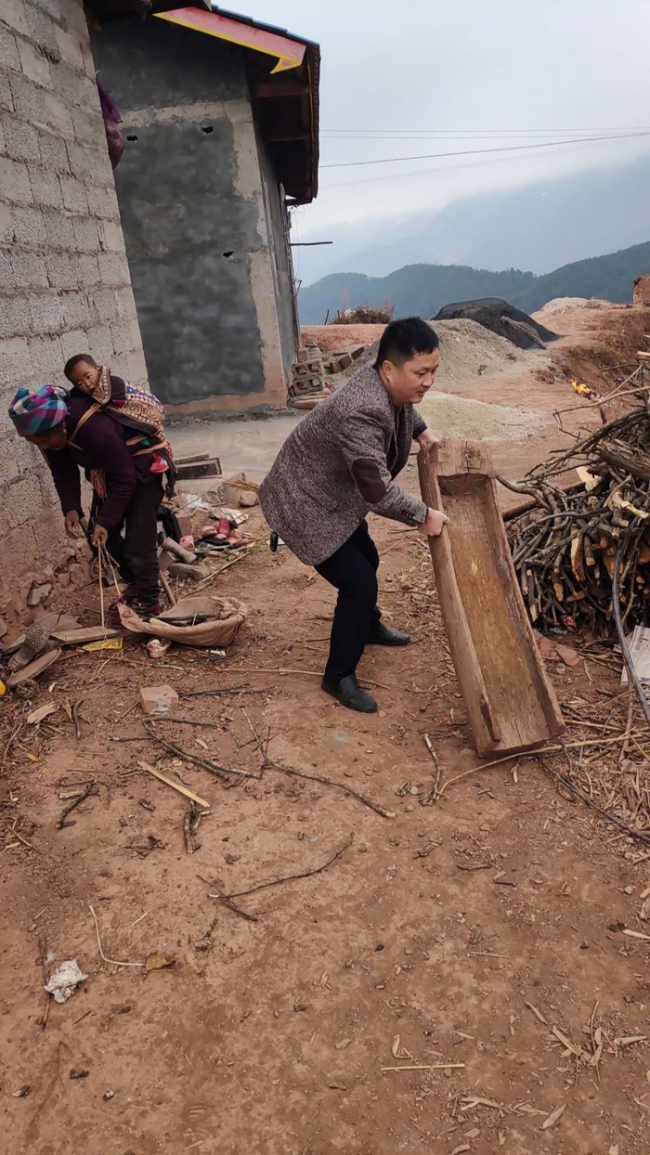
(383,636)
(349,693)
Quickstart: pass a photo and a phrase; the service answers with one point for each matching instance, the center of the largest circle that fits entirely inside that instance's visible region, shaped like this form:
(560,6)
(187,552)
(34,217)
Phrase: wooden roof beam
(264,89)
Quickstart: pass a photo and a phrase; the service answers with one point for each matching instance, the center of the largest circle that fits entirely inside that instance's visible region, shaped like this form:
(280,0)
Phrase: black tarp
(500,317)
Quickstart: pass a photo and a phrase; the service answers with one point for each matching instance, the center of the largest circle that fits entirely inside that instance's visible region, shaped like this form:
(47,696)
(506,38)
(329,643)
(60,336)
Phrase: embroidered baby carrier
(133,409)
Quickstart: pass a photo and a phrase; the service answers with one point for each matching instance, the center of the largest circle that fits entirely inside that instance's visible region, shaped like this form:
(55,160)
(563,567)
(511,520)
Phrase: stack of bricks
(341,361)
(308,373)
(65,286)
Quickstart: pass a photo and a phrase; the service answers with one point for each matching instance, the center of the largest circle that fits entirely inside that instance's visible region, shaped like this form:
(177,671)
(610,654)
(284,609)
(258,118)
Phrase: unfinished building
(220,119)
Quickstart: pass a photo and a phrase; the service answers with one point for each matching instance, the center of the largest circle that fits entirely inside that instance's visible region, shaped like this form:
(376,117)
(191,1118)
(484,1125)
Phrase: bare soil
(466,932)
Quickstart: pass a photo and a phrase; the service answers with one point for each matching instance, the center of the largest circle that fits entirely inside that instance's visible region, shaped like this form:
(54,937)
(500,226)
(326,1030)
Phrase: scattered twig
(76,706)
(191,826)
(73,805)
(188,721)
(112,961)
(289,877)
(218,693)
(42,950)
(426,1067)
(26,841)
(174,785)
(284,769)
(307,673)
(223,772)
(227,901)
(641,835)
(433,795)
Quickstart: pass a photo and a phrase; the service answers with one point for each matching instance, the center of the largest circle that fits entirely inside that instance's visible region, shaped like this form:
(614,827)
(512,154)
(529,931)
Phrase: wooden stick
(243,552)
(330,782)
(535,753)
(188,721)
(426,1067)
(167,588)
(289,877)
(73,805)
(229,902)
(112,961)
(215,768)
(174,785)
(100,570)
(308,673)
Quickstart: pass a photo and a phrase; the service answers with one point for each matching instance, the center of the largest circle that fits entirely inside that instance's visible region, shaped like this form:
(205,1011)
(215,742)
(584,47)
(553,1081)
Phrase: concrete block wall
(64,279)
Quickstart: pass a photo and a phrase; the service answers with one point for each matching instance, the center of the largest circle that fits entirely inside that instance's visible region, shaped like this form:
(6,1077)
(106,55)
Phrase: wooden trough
(510,702)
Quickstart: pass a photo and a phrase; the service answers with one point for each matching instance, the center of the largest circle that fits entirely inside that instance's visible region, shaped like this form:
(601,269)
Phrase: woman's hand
(100,535)
(72,524)
(426,439)
(434,524)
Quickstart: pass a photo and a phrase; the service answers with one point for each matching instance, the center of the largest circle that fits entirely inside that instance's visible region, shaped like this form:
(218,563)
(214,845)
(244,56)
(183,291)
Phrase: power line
(426,171)
(478,151)
(484,131)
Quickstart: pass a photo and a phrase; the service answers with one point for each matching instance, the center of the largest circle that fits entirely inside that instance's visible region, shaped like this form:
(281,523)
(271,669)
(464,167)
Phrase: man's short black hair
(74,361)
(403,340)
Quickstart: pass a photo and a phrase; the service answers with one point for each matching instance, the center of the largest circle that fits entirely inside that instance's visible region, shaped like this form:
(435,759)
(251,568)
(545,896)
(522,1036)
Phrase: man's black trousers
(352,570)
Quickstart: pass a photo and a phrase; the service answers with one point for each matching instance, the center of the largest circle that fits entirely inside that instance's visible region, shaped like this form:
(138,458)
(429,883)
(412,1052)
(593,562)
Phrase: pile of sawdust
(448,415)
(467,350)
(567,305)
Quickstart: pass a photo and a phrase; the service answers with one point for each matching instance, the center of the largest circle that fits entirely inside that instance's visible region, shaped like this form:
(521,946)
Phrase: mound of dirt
(561,305)
(451,416)
(501,318)
(466,350)
(364,315)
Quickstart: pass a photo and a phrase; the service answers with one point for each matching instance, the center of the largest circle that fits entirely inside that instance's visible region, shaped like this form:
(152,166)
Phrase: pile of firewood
(565,548)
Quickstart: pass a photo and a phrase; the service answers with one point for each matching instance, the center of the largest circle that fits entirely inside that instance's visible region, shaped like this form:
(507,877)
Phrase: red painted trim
(289,53)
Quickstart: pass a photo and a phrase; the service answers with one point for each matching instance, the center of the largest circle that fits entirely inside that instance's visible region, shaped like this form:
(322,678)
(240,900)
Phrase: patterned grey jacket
(338,464)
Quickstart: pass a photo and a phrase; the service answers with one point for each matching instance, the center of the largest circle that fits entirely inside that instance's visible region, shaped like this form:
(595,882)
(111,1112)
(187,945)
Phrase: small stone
(38,594)
(3,627)
(109,1095)
(409,809)
(248,499)
(629,890)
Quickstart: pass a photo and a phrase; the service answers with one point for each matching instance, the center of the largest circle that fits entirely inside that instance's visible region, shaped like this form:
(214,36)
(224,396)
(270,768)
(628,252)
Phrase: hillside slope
(543,225)
(424,289)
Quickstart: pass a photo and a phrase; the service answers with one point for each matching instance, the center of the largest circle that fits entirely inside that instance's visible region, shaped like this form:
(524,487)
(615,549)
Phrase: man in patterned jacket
(339,464)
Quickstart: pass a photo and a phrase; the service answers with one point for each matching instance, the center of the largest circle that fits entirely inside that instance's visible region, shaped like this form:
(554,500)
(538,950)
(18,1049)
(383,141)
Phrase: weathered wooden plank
(195,471)
(509,700)
(191,459)
(85,634)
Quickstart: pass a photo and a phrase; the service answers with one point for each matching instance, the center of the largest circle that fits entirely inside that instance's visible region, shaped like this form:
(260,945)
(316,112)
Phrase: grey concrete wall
(194,217)
(281,260)
(64,277)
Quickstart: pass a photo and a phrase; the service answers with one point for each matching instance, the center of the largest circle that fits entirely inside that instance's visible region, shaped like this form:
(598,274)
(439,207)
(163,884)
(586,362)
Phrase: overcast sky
(465,67)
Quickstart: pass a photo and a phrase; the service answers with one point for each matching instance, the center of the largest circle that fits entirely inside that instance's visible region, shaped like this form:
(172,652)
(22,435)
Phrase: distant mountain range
(424,289)
(540,226)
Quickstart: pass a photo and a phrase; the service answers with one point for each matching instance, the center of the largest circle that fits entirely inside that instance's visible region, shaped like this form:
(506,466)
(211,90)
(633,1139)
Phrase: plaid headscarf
(37,413)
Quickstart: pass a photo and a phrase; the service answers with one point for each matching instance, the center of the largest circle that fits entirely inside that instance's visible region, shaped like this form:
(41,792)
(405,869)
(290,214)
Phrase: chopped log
(509,700)
(634,461)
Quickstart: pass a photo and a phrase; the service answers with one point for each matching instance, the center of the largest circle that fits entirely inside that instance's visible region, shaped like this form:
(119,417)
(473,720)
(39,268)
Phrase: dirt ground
(475,944)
